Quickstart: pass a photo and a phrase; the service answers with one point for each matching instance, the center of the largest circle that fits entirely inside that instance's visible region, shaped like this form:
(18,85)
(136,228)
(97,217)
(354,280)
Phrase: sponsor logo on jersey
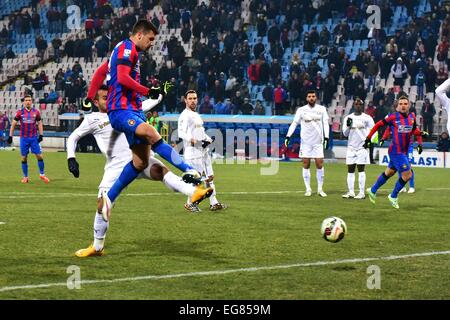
(131,122)
(404,128)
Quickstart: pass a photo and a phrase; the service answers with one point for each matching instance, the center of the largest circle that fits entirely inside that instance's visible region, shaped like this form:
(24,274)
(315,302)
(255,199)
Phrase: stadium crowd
(226,63)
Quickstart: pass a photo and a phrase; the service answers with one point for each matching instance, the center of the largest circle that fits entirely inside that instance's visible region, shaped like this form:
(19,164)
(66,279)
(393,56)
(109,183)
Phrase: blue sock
(411,181)
(380,181)
(129,173)
(398,186)
(169,154)
(25,168)
(41,166)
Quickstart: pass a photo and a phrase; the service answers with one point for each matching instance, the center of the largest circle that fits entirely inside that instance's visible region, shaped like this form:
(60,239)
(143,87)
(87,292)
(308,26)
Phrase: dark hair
(311,92)
(27,95)
(359,100)
(144,26)
(189,91)
(103,87)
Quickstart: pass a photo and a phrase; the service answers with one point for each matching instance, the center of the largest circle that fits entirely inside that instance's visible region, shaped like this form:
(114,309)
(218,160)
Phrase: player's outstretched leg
(25,171)
(41,171)
(372,192)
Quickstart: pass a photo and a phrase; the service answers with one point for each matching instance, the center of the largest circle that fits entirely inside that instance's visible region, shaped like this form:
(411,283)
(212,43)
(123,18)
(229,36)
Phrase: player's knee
(140,164)
(351,169)
(157,172)
(361,168)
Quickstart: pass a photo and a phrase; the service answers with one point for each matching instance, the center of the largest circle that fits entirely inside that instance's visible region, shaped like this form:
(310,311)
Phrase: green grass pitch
(267,245)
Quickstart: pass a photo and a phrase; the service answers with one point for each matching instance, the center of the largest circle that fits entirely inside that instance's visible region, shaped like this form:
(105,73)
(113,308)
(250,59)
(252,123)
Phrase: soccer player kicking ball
(196,150)
(402,125)
(313,120)
(114,146)
(441,93)
(356,127)
(29,116)
(125,110)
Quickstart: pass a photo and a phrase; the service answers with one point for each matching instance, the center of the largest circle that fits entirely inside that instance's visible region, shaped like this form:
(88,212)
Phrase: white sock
(320,174)
(100,228)
(307,178)
(351,182)
(212,200)
(362,181)
(176,184)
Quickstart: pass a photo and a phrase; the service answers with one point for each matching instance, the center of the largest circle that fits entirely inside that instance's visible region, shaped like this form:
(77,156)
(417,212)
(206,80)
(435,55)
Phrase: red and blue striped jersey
(402,128)
(120,97)
(28,120)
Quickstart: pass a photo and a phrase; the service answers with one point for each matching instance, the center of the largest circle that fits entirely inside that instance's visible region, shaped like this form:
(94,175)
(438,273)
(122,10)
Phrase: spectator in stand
(372,72)
(259,109)
(253,72)
(10,53)
(38,85)
(442,75)
(41,46)
(430,78)
(400,72)
(428,111)
(89,26)
(206,107)
(420,83)
(279,97)
(56,44)
(443,144)
(247,107)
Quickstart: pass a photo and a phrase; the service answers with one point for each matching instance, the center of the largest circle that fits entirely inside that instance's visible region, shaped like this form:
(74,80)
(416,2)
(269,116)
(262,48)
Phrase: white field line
(16,195)
(1,222)
(229,271)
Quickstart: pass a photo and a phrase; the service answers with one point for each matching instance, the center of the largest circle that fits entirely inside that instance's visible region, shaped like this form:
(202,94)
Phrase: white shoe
(360,196)
(403,190)
(348,195)
(321,193)
(308,193)
(106,209)
(411,190)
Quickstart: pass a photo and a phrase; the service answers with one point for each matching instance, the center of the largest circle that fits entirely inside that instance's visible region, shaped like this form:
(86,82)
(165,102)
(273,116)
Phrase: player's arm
(11,131)
(326,128)
(97,80)
(72,142)
(292,127)
(441,93)
(183,129)
(375,128)
(149,104)
(40,126)
(346,126)
(126,58)
(386,135)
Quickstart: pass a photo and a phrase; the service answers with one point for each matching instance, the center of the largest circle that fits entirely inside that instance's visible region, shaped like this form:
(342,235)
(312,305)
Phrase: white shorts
(314,151)
(111,175)
(354,156)
(202,165)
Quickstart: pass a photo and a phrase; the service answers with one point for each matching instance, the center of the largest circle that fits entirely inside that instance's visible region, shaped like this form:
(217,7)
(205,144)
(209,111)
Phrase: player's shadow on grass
(166,247)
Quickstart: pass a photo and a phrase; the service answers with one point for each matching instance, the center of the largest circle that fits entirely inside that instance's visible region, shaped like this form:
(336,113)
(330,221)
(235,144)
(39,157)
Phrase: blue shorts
(29,143)
(399,162)
(127,122)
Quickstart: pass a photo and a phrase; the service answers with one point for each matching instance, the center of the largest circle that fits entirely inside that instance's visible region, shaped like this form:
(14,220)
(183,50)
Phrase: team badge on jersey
(131,122)
(126,52)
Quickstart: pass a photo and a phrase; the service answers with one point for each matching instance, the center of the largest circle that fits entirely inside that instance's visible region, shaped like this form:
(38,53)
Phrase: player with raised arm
(403,125)
(114,146)
(441,93)
(196,148)
(356,127)
(125,111)
(29,117)
(314,137)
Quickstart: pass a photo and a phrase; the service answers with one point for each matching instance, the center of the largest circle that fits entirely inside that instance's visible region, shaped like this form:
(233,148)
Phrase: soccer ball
(333,229)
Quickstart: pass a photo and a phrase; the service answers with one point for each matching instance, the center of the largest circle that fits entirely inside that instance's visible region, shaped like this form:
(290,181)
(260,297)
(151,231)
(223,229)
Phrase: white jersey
(441,93)
(359,130)
(190,126)
(313,123)
(112,144)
